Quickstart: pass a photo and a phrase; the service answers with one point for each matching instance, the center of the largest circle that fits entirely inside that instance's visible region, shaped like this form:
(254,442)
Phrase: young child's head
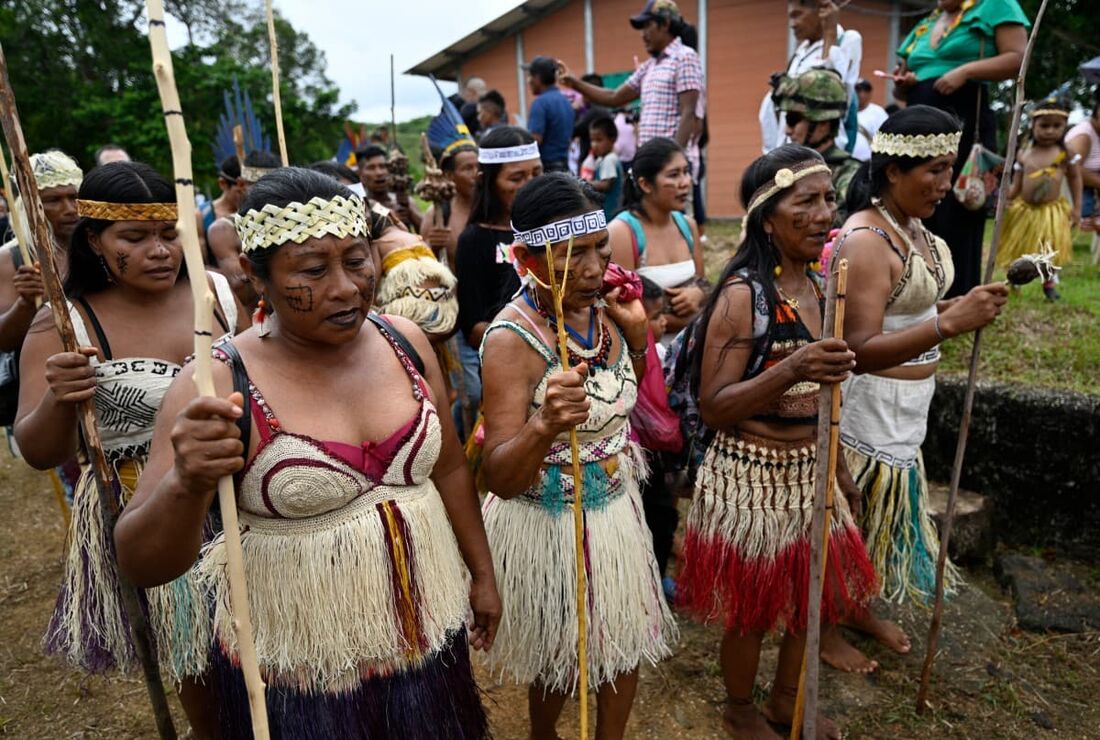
(653,300)
(1048,122)
(603,134)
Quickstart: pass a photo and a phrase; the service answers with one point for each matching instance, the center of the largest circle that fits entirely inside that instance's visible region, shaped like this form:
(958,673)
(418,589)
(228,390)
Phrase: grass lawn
(1053,345)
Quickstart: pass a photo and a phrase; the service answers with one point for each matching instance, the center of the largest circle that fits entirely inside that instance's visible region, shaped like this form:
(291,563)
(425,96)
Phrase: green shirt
(973,39)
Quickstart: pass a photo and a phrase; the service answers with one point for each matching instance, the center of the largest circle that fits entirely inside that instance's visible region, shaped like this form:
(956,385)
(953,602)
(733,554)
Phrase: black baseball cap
(655,10)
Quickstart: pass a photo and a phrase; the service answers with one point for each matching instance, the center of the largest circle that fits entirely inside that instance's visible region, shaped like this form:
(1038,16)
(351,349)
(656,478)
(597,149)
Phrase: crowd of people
(396,414)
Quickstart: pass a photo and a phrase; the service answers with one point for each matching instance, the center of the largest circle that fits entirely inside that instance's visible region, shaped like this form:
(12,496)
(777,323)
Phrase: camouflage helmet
(817,94)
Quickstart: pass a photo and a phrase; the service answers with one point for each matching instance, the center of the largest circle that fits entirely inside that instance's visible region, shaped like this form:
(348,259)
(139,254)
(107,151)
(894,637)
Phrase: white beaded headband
(296,222)
(559,231)
(918,145)
(507,154)
(784,179)
(253,174)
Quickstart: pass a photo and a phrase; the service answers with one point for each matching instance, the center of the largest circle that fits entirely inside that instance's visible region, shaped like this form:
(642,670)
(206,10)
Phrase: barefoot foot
(843,655)
(886,632)
(743,721)
(779,709)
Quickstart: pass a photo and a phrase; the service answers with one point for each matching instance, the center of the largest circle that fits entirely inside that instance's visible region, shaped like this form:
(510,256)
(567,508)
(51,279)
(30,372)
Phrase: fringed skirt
(89,627)
(747,550)
(882,429)
(533,541)
(418,287)
(358,620)
(1030,226)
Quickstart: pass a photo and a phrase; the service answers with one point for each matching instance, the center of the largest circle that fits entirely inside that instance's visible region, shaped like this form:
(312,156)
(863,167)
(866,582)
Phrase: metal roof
(444,64)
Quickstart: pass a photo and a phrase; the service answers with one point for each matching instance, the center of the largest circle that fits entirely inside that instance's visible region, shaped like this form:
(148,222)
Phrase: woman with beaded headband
(358,513)
(131,313)
(758,364)
(896,318)
(530,405)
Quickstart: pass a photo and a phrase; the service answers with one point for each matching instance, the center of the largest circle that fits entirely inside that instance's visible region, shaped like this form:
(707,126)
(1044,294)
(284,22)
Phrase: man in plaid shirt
(670,82)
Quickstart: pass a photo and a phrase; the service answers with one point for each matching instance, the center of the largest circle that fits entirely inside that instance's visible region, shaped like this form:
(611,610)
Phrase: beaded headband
(253,174)
(507,154)
(127,211)
(784,179)
(918,145)
(464,141)
(559,231)
(1049,112)
(296,222)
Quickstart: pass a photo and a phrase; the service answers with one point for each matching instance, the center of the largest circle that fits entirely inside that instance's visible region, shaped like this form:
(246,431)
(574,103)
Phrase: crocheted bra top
(293,476)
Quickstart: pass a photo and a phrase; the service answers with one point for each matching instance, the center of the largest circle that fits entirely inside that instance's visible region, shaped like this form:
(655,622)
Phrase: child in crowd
(602,168)
(653,300)
(1038,213)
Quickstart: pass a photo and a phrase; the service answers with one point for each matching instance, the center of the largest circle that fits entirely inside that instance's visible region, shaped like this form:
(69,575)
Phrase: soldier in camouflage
(815,103)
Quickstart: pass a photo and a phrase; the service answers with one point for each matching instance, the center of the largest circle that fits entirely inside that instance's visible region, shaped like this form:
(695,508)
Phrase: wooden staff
(578,492)
(39,229)
(277,100)
(14,215)
(828,439)
(972,377)
(238,144)
(203,299)
(393,105)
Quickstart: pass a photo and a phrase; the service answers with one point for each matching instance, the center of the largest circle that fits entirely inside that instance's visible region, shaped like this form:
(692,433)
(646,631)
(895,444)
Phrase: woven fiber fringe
(1028,227)
(747,550)
(422,290)
(89,628)
(898,528)
(533,554)
(438,699)
(371,588)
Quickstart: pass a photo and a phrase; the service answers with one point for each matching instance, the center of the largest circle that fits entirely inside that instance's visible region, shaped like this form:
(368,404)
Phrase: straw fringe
(420,289)
(330,604)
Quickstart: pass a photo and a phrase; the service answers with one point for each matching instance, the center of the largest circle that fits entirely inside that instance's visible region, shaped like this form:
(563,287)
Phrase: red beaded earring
(259,319)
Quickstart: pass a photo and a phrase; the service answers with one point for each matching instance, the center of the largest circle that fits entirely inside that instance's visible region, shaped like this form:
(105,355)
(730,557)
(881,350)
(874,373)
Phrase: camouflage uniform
(819,95)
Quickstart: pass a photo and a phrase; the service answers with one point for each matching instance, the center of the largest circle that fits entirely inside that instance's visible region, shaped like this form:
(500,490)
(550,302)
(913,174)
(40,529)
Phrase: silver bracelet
(636,354)
(936,325)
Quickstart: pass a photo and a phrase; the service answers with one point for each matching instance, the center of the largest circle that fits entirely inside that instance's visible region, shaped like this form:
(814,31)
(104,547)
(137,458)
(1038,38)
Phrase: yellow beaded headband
(917,145)
(1049,112)
(784,179)
(296,222)
(127,211)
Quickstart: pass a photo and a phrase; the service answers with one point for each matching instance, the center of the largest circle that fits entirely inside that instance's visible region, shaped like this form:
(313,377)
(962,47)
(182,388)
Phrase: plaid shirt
(659,82)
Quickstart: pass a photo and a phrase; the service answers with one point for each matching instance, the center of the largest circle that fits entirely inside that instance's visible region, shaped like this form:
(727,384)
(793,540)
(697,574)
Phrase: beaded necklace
(926,25)
(580,348)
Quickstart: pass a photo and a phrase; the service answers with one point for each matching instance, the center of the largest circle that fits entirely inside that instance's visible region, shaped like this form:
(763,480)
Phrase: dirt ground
(992,681)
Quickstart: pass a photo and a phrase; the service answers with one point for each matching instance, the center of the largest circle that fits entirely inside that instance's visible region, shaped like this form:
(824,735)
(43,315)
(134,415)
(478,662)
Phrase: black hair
(114,182)
(870,180)
(607,125)
(493,97)
(230,168)
(651,291)
(280,188)
(865,85)
(262,158)
(335,170)
(546,74)
(107,148)
(370,151)
(447,161)
(593,79)
(757,254)
(649,160)
(549,198)
(1050,104)
(487,207)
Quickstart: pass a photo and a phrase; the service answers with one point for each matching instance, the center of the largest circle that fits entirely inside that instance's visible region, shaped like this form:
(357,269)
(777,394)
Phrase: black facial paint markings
(300,298)
(121,261)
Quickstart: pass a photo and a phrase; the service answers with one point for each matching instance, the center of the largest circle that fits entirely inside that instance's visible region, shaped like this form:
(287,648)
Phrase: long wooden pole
(828,446)
(393,107)
(14,215)
(275,95)
(972,377)
(39,229)
(203,299)
(578,493)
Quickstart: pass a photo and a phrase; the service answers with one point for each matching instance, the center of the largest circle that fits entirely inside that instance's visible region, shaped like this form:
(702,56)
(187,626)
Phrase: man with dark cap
(551,118)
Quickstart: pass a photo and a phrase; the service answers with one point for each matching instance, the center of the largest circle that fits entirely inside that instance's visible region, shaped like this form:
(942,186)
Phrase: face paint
(800,220)
(121,260)
(300,298)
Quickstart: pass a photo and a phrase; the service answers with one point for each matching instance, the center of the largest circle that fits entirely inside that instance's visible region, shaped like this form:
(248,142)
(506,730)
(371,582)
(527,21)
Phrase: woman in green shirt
(946,61)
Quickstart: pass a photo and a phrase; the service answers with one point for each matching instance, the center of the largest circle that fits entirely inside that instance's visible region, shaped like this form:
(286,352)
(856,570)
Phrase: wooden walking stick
(276,98)
(14,215)
(972,377)
(828,445)
(39,229)
(203,299)
(578,490)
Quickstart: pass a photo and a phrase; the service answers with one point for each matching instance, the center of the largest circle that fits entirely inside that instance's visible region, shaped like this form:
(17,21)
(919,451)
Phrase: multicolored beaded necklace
(926,25)
(580,348)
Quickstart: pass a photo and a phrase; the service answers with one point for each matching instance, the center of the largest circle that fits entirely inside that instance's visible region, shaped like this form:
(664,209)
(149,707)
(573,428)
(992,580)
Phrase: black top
(484,283)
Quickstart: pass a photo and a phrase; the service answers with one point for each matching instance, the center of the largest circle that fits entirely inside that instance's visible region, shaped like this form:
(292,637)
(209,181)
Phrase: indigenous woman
(759,362)
(356,506)
(132,317)
(530,405)
(894,323)
(509,158)
(947,61)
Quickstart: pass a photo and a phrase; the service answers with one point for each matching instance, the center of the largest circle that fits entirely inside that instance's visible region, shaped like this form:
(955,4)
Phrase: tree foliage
(82,75)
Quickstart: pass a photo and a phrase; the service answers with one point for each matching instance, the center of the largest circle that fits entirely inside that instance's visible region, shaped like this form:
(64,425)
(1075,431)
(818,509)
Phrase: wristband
(636,354)
(936,326)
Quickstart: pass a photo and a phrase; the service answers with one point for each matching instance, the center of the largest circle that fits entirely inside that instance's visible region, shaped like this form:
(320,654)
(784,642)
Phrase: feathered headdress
(447,131)
(238,112)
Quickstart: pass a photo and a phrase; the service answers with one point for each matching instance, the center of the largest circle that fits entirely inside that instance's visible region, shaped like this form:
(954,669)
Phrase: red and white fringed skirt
(747,552)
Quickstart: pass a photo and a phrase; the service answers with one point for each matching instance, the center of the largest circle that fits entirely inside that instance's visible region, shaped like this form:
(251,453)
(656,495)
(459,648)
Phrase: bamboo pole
(203,299)
(41,235)
(972,377)
(828,438)
(277,99)
(578,492)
